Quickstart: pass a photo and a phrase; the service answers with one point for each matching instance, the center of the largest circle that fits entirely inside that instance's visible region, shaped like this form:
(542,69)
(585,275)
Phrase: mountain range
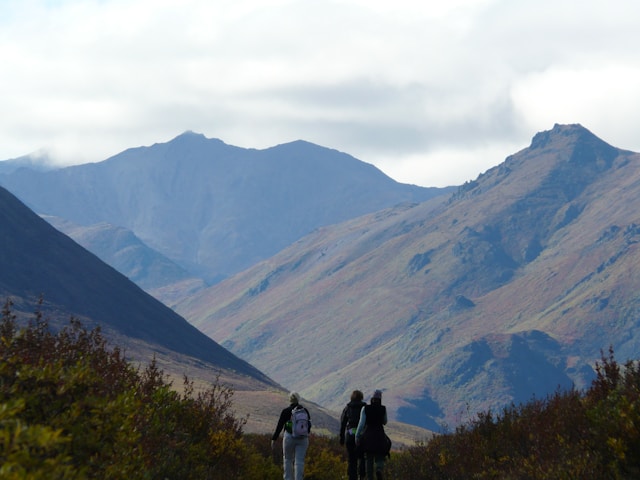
(330,276)
(70,199)
(510,288)
(206,209)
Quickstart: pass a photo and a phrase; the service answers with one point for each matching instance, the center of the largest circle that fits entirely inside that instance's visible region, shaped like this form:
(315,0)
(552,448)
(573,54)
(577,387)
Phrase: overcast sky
(432,92)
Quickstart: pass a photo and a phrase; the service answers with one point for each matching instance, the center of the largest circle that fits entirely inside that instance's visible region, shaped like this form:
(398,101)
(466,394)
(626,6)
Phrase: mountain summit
(510,288)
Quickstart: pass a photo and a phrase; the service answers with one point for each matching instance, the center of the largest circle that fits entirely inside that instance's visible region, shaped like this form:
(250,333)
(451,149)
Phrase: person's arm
(281,421)
(384,419)
(361,424)
(344,418)
(309,415)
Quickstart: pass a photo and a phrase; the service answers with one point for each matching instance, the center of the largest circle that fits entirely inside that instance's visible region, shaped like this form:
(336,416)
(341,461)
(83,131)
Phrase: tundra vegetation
(72,407)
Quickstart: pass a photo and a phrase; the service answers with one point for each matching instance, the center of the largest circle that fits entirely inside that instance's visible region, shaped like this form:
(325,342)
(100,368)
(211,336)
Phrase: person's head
(357,396)
(294,397)
(376,397)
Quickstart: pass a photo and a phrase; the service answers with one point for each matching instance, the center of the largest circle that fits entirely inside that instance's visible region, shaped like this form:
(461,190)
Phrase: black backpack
(353,414)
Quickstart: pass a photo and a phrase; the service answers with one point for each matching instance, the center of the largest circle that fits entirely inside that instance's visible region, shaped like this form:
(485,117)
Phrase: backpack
(353,414)
(300,422)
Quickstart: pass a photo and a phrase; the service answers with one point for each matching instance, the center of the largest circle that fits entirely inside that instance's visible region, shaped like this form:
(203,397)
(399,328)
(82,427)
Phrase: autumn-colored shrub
(326,459)
(589,435)
(73,408)
(613,409)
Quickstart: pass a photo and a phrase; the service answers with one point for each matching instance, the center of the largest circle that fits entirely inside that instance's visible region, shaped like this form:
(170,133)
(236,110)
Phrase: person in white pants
(294,449)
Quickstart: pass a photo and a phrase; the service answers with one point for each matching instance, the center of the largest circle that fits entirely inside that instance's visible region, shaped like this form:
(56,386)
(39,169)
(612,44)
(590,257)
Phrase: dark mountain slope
(510,288)
(36,259)
(212,208)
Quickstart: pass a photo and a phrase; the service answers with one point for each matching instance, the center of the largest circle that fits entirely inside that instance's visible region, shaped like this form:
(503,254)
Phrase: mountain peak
(560,133)
(299,145)
(190,134)
(39,160)
(581,148)
(191,138)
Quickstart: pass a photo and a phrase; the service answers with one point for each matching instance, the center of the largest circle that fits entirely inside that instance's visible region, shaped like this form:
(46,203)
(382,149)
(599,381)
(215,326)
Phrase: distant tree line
(72,407)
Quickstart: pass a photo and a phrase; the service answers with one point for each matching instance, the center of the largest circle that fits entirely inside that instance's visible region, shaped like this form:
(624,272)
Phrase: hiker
(370,435)
(296,422)
(348,425)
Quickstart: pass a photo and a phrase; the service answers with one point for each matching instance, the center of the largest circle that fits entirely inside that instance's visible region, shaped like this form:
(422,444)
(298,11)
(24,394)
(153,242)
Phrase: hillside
(124,251)
(509,289)
(37,261)
(211,208)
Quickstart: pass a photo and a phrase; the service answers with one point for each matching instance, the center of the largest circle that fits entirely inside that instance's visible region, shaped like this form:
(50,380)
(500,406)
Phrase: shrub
(326,459)
(590,435)
(70,407)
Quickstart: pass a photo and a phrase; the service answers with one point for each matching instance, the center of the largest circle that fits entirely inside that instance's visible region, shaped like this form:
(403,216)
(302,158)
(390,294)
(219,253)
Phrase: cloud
(432,92)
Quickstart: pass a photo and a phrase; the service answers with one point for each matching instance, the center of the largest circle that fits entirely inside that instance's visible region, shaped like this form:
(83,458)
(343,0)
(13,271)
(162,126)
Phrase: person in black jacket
(294,448)
(371,436)
(348,425)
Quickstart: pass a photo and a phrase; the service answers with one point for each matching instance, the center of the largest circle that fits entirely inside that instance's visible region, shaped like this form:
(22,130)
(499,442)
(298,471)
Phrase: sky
(432,92)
